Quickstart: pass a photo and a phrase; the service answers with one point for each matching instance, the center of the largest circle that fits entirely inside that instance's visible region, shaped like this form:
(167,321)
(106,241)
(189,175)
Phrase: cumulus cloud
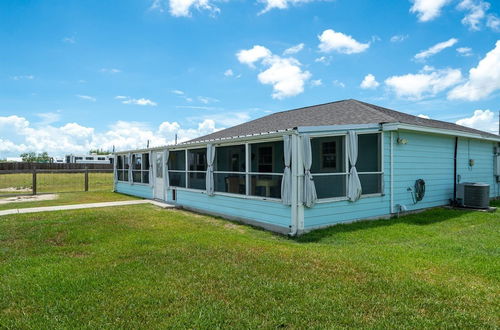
(23,77)
(252,55)
(283,73)
(19,135)
(294,49)
(228,73)
(183,8)
(476,12)
(427,83)
(316,82)
(110,70)
(483,120)
(331,41)
(493,22)
(141,101)
(369,82)
(436,49)
(483,80)
(279,4)
(428,10)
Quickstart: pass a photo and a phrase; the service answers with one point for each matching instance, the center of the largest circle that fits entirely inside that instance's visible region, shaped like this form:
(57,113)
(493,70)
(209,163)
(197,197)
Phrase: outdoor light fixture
(402,141)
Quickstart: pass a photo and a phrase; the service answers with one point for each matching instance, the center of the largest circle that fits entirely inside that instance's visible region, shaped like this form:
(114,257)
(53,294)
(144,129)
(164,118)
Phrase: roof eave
(426,129)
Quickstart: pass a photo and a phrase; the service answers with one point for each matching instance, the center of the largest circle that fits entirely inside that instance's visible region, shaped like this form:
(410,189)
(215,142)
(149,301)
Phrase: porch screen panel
(197,168)
(369,164)
(177,168)
(230,169)
(266,169)
(329,166)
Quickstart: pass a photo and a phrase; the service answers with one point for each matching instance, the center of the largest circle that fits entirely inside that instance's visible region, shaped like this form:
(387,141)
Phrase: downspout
(455,172)
(392,173)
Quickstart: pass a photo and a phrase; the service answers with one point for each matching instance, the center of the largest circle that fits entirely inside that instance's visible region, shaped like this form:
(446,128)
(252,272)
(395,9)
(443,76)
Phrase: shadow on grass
(428,217)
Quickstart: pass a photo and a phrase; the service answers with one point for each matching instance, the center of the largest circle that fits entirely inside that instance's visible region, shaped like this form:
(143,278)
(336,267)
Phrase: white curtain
(130,168)
(309,195)
(210,169)
(354,185)
(286,183)
(166,154)
(151,177)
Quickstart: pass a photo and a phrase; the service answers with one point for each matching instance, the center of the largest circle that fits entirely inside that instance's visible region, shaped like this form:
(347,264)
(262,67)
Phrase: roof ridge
(369,107)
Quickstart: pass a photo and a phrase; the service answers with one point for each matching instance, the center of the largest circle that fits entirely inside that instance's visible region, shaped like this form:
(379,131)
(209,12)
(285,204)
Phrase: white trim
(396,126)
(201,191)
(340,199)
(307,129)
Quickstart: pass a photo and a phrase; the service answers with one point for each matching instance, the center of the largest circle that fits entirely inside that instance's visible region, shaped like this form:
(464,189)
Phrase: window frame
(248,174)
(347,166)
(142,170)
(124,169)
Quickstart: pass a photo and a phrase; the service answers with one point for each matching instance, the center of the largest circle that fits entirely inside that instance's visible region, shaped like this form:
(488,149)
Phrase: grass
(71,198)
(144,267)
(19,183)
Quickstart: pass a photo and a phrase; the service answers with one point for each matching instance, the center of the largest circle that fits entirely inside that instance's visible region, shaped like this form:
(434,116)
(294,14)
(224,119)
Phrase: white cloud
(286,76)
(228,73)
(250,56)
(483,120)
(436,49)
(207,100)
(341,43)
(24,77)
(141,101)
(294,49)
(427,83)
(18,135)
(183,8)
(112,70)
(86,97)
(399,38)
(369,82)
(476,12)
(177,92)
(428,10)
(48,118)
(424,116)
(279,4)
(493,22)
(464,51)
(483,80)
(316,82)
(338,83)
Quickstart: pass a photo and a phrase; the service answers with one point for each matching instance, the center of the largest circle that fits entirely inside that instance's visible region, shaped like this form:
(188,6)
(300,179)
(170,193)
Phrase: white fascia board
(396,126)
(309,129)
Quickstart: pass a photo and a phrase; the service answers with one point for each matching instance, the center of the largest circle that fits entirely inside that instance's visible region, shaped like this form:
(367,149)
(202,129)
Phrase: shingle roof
(345,112)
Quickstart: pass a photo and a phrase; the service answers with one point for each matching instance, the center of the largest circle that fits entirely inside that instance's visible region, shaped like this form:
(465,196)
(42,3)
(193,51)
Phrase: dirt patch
(15,189)
(32,198)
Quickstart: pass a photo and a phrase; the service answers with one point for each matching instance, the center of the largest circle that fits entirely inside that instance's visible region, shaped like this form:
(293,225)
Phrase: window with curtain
(266,169)
(140,168)
(369,163)
(177,168)
(197,167)
(230,169)
(329,166)
(122,168)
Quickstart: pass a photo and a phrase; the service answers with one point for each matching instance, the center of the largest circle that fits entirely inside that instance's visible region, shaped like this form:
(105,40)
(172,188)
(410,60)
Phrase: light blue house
(298,170)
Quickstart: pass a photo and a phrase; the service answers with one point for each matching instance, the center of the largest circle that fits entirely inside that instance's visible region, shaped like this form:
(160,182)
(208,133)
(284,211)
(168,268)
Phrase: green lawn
(144,267)
(54,182)
(71,198)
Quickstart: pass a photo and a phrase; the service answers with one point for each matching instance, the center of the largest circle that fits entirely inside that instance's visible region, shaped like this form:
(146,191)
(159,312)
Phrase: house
(92,158)
(298,170)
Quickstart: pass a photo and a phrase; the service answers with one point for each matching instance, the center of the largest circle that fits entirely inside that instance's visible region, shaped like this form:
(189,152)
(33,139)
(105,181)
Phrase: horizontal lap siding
(256,210)
(483,169)
(145,191)
(324,214)
(428,157)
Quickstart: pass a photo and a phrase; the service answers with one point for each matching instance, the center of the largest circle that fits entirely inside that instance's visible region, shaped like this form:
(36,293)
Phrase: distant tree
(100,152)
(32,157)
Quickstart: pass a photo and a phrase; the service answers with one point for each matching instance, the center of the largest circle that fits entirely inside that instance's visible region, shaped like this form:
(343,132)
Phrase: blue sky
(76,75)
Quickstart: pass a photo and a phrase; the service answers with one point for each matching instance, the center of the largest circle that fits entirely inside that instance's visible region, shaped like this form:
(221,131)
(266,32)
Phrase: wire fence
(32,182)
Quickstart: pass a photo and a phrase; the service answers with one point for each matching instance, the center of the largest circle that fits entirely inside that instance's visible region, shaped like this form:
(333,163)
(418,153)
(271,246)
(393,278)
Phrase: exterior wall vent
(474,195)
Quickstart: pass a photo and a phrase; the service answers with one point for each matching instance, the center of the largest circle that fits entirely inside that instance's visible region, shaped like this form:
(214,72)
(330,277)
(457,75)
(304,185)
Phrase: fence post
(86,178)
(33,183)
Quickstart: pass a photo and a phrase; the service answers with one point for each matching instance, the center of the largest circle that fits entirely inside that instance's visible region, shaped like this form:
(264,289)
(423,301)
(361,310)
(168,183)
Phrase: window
(197,167)
(122,168)
(328,166)
(369,163)
(78,158)
(89,158)
(267,167)
(140,168)
(229,169)
(177,168)
(101,158)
